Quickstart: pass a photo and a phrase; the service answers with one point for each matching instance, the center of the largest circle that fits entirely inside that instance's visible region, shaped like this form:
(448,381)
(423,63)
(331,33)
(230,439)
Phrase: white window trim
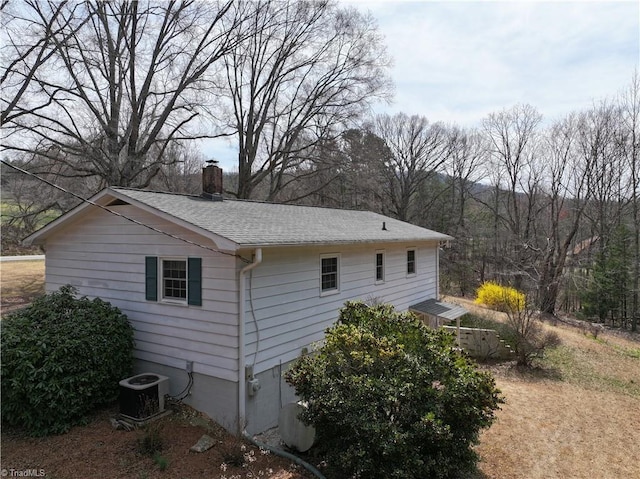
(161,295)
(329,292)
(375,266)
(415,262)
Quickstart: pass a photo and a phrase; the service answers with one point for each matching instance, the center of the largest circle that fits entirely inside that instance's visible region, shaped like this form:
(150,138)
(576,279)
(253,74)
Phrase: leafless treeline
(564,206)
(548,207)
(114,93)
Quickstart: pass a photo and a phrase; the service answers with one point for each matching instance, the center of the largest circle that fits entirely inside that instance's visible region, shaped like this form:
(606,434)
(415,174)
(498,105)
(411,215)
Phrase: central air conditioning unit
(142,396)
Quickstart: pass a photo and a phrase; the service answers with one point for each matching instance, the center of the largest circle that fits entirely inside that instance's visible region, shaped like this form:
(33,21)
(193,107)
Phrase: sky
(458,61)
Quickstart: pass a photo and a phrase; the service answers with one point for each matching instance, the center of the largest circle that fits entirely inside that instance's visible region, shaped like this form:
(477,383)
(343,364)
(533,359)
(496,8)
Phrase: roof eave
(103,198)
(40,236)
(221,242)
(346,242)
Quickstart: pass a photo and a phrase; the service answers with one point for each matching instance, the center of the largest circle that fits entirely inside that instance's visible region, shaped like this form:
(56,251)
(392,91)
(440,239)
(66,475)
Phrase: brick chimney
(212,181)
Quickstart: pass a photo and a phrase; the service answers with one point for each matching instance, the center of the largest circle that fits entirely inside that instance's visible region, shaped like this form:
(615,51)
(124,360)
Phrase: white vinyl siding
(291,315)
(104,256)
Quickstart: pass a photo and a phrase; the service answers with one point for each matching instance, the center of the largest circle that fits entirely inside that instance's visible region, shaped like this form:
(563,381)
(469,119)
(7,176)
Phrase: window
(174,279)
(379,267)
(329,273)
(178,280)
(411,261)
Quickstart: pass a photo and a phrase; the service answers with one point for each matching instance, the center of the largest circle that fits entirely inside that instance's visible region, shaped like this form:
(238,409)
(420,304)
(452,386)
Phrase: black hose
(286,455)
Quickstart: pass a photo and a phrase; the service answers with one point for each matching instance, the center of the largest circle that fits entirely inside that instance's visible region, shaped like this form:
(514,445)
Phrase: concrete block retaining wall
(482,343)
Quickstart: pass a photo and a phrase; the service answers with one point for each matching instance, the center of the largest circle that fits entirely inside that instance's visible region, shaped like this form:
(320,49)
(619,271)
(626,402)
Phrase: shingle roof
(251,223)
(440,309)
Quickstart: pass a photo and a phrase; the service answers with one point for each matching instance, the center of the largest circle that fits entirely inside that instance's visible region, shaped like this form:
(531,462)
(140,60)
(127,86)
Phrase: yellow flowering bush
(502,298)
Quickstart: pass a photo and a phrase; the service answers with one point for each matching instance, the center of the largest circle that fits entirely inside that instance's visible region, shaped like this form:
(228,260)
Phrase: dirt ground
(97,450)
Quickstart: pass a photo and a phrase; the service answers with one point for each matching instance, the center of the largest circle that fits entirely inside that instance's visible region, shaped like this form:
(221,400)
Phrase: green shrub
(161,461)
(391,398)
(150,442)
(61,358)
(527,336)
(501,298)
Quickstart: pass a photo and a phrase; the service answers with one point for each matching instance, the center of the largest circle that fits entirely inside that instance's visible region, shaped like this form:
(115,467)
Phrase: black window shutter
(194,286)
(151,278)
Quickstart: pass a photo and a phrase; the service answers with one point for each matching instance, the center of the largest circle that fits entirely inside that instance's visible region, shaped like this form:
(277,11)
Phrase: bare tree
(124,80)
(466,155)
(183,173)
(494,251)
(27,46)
(631,124)
(28,203)
(528,336)
(512,140)
(418,151)
(602,147)
(312,68)
(567,196)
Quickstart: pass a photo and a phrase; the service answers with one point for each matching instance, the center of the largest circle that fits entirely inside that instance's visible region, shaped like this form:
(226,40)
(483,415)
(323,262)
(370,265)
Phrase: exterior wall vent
(118,202)
(143,396)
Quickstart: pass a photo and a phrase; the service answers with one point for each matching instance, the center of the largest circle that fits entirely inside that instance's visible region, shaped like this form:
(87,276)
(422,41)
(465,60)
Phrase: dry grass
(20,283)
(559,430)
(576,416)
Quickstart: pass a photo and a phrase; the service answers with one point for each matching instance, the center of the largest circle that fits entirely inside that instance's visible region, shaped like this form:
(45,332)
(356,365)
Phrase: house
(233,290)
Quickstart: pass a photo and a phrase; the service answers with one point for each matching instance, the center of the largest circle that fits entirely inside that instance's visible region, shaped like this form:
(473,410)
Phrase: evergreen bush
(61,358)
(391,398)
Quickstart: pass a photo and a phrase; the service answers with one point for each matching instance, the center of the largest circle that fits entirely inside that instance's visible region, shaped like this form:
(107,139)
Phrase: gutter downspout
(438,271)
(242,380)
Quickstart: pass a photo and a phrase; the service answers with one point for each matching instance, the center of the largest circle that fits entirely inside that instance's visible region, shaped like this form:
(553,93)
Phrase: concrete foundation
(215,397)
(263,408)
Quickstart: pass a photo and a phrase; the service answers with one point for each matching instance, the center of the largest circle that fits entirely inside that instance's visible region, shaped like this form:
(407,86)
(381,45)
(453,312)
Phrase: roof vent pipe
(212,181)
(384,226)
